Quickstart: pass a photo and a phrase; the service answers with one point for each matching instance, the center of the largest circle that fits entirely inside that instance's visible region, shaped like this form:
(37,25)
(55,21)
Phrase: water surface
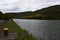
(41,29)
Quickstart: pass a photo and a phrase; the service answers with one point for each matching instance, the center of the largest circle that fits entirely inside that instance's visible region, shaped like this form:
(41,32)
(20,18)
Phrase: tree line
(5,16)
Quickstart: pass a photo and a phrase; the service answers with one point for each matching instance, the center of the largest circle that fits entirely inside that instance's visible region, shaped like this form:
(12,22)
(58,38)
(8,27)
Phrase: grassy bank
(21,34)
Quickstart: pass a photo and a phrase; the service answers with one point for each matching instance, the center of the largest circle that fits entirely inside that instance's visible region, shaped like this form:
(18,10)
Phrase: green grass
(21,34)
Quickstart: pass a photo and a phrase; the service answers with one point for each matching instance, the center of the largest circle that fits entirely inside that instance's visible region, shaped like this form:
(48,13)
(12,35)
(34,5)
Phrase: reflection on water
(41,29)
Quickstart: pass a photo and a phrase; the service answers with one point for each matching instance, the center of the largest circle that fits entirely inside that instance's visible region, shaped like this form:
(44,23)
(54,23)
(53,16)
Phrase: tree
(1,15)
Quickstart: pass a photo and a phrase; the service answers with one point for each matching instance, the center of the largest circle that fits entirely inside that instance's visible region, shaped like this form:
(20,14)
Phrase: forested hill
(18,15)
(52,12)
(55,8)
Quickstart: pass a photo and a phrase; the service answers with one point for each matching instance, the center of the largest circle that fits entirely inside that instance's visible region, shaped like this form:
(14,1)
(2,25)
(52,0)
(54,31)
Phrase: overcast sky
(25,5)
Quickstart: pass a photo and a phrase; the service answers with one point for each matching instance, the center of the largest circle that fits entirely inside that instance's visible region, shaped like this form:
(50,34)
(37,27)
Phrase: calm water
(41,29)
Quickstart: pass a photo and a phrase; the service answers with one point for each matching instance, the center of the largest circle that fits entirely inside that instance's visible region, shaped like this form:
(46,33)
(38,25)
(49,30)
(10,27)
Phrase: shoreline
(21,33)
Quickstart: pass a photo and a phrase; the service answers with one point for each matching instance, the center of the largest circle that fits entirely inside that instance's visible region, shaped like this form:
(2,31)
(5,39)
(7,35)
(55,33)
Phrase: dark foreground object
(5,33)
(10,36)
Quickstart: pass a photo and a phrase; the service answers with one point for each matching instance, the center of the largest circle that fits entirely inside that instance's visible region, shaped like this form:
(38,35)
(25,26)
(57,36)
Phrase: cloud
(25,5)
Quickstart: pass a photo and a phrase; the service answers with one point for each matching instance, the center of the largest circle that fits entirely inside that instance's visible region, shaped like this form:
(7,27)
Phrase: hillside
(49,13)
(52,12)
(20,14)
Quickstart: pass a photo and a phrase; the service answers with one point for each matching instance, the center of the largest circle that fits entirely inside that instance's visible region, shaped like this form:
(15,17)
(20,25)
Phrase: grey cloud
(26,5)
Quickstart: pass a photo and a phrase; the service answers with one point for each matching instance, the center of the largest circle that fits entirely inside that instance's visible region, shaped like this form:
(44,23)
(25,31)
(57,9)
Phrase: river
(41,29)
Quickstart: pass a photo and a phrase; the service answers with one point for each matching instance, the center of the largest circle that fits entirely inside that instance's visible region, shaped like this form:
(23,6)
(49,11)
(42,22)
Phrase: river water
(41,29)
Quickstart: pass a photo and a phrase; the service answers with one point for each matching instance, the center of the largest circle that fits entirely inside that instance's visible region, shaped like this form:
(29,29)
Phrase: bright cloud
(25,5)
